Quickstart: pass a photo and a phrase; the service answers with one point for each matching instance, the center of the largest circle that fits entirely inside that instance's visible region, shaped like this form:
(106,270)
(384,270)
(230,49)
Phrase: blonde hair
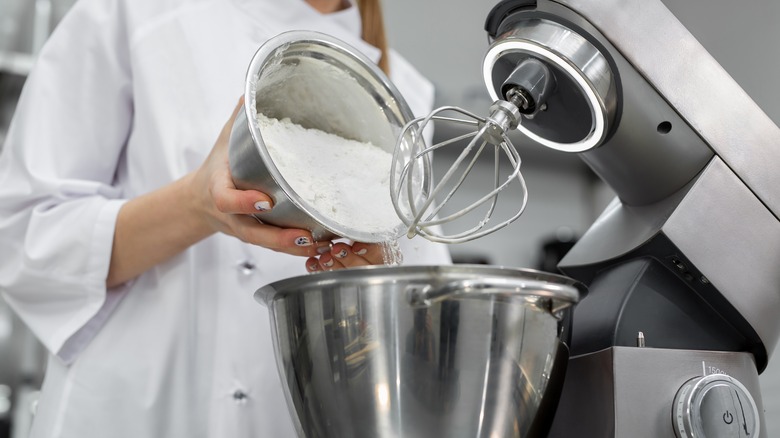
(374,29)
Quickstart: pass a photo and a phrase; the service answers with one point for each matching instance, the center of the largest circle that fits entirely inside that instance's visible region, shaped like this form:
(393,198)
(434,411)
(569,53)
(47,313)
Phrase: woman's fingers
(364,254)
(288,240)
(343,255)
(313,264)
(329,263)
(230,200)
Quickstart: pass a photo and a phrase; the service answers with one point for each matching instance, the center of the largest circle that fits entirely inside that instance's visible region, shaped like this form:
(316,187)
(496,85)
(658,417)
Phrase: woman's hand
(158,225)
(343,255)
(226,209)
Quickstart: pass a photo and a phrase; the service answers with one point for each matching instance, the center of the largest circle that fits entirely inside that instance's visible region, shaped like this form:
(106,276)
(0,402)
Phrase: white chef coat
(127,96)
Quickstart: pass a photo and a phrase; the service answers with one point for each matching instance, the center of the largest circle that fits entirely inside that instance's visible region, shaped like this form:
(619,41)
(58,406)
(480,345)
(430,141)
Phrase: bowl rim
(565,291)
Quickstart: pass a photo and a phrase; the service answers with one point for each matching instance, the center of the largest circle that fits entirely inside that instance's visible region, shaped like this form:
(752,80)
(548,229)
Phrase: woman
(121,230)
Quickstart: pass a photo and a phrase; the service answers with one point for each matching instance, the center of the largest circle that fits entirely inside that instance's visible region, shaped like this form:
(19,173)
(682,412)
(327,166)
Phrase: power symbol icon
(728,418)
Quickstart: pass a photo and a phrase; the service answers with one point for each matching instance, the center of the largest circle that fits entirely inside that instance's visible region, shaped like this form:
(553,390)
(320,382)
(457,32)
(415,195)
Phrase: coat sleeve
(58,201)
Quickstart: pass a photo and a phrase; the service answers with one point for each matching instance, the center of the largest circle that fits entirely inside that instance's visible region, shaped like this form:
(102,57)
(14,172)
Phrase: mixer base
(630,392)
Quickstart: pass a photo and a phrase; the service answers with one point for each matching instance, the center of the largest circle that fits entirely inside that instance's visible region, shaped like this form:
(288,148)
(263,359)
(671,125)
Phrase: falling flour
(345,180)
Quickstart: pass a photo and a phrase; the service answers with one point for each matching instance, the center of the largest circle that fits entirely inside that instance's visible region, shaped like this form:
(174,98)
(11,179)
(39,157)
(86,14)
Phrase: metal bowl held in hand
(421,351)
(318,82)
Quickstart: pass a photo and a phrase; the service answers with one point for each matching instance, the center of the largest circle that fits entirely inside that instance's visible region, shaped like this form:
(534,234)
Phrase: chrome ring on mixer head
(583,75)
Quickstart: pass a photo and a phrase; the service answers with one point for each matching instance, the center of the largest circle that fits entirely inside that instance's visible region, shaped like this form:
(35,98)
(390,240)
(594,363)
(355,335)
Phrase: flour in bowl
(345,180)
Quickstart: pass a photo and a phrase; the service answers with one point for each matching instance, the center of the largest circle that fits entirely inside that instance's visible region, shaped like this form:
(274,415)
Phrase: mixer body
(686,253)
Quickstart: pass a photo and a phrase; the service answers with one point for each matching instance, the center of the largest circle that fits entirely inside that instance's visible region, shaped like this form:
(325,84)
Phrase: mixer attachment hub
(504,117)
(529,85)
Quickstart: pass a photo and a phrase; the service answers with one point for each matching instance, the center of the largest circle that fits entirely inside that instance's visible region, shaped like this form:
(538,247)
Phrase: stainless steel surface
(418,199)
(695,85)
(581,108)
(322,83)
(715,406)
(732,239)
(419,351)
(630,392)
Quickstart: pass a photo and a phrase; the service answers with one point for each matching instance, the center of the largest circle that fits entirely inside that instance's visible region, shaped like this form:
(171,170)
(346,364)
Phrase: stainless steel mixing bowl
(318,82)
(421,351)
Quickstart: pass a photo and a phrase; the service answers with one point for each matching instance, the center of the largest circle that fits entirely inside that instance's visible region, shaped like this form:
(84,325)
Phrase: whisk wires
(419,202)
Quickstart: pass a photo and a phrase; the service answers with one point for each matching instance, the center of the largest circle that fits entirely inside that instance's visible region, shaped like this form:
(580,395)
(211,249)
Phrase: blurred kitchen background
(446,41)
(24,27)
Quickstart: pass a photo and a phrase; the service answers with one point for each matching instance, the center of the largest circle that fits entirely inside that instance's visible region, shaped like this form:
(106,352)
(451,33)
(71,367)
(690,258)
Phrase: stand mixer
(681,267)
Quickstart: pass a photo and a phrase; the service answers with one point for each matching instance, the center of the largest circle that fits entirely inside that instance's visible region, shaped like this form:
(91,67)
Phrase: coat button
(240,396)
(247,267)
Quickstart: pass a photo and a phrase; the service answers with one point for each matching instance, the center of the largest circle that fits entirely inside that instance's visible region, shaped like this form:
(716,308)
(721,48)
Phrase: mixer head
(547,81)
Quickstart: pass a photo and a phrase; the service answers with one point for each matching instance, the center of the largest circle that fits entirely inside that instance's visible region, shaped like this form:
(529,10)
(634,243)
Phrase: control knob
(715,406)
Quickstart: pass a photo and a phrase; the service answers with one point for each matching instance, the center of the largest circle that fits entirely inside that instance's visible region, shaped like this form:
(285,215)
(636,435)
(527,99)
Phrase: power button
(715,406)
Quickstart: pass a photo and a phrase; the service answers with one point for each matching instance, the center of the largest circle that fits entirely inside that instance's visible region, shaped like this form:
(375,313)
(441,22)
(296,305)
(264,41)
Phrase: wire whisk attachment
(427,205)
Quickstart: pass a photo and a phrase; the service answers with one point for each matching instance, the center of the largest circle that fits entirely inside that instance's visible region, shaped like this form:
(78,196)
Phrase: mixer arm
(691,157)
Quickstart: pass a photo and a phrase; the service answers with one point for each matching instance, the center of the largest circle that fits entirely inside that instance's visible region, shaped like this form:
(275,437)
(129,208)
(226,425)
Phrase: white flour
(344,180)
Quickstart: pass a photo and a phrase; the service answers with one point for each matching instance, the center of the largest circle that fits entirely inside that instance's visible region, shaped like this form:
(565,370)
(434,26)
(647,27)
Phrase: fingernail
(262,205)
(361,251)
(341,254)
(314,267)
(328,264)
(303,241)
